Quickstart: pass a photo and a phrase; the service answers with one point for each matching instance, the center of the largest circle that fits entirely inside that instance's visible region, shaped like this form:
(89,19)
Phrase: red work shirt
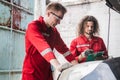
(81,43)
(39,43)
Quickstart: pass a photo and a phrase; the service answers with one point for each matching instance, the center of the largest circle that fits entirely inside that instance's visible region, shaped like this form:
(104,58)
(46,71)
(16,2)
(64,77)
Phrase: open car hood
(93,70)
(114,4)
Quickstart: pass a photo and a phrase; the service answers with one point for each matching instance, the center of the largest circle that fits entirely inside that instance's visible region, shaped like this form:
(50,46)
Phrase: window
(16,14)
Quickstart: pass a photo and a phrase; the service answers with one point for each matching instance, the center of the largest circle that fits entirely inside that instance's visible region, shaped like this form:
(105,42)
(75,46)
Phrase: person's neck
(88,36)
(46,22)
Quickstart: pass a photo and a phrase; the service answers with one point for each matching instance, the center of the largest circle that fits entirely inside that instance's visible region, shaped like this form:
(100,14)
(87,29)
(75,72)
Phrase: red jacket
(81,43)
(39,43)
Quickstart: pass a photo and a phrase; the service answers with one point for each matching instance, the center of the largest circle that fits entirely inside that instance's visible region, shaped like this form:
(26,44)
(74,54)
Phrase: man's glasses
(57,17)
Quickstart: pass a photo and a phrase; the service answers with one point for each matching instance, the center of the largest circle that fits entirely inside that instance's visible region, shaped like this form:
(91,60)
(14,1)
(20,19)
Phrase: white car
(93,70)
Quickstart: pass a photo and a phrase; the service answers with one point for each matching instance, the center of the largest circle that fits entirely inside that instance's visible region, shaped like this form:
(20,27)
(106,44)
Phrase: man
(88,46)
(40,39)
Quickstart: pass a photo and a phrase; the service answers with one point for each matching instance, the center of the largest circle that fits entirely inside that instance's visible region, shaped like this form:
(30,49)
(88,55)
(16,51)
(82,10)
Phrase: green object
(98,54)
(93,56)
(90,57)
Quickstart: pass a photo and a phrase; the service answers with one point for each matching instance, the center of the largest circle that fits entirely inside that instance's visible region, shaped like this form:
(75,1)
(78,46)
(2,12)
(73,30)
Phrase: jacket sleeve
(37,40)
(61,47)
(73,49)
(75,52)
(104,48)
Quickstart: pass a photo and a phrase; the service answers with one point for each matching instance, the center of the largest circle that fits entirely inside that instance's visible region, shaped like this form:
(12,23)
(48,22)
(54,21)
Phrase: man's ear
(48,13)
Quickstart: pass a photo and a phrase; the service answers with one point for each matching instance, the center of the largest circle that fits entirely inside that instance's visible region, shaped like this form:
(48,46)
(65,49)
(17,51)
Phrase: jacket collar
(94,38)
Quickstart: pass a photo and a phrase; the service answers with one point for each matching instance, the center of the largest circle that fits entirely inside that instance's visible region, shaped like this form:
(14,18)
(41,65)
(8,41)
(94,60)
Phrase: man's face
(88,28)
(55,18)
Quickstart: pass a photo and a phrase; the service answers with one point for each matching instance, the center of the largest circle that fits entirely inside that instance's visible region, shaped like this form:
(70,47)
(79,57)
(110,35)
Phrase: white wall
(97,8)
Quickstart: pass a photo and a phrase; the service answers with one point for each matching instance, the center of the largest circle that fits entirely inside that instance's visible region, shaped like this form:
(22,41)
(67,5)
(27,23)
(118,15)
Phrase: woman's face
(88,28)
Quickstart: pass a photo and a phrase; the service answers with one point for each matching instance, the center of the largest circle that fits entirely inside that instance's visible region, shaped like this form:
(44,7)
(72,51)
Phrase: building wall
(14,17)
(97,8)
(11,54)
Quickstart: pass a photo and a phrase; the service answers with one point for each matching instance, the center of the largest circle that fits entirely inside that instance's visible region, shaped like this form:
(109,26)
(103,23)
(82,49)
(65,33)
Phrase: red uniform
(81,43)
(40,42)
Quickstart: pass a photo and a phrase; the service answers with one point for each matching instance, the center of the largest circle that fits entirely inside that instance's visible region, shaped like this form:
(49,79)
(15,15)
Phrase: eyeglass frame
(57,17)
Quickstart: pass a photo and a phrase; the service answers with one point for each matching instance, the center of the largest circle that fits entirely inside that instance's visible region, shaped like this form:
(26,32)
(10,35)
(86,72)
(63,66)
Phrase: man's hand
(55,64)
(64,66)
(87,52)
(60,67)
(74,62)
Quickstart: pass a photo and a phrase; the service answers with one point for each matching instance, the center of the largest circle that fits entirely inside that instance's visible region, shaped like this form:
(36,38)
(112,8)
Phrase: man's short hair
(55,6)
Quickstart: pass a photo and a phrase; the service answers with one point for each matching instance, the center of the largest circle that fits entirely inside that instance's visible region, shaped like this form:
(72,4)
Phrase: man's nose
(90,28)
